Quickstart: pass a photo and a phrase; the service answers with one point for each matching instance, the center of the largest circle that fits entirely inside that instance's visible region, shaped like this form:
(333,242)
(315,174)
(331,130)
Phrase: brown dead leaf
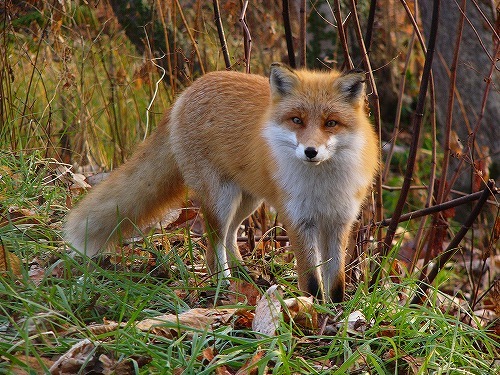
(75,181)
(95,361)
(36,274)
(302,312)
(106,327)
(9,262)
(22,215)
(496,231)
(244,319)
(32,363)
(72,361)
(170,325)
(386,330)
(197,319)
(244,292)
(111,366)
(456,146)
(183,215)
(268,312)
(414,363)
(208,354)
(222,370)
(250,367)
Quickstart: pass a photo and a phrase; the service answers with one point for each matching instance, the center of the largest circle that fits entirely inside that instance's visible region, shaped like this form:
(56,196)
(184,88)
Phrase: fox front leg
(333,261)
(304,239)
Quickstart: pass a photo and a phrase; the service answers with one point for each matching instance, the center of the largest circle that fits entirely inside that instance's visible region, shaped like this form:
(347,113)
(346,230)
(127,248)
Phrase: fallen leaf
(75,181)
(9,262)
(250,367)
(72,361)
(356,323)
(244,292)
(456,146)
(386,330)
(22,215)
(302,312)
(244,319)
(197,319)
(178,217)
(32,363)
(268,312)
(209,355)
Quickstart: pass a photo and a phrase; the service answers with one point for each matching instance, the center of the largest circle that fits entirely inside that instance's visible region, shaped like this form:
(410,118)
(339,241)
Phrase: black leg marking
(313,286)
(337,294)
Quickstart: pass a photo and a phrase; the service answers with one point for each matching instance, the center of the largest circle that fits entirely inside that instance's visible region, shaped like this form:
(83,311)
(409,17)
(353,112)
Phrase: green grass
(44,319)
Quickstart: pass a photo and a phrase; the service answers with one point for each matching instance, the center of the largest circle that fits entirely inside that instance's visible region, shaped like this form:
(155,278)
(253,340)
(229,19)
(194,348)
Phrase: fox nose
(311,152)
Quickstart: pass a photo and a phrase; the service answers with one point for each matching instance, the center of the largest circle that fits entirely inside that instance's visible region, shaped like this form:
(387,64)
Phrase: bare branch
(342,35)
(302,36)
(424,283)
(288,34)
(247,38)
(417,124)
(220,31)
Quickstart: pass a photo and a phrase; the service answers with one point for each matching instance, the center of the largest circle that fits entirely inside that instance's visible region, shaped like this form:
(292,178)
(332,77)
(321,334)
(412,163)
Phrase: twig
(451,102)
(489,81)
(424,283)
(157,84)
(247,38)
(417,248)
(342,36)
(369,25)
(436,220)
(191,37)
(399,108)
(288,34)
(167,47)
(220,31)
(417,124)
(493,31)
(437,208)
(376,115)
(415,25)
(302,34)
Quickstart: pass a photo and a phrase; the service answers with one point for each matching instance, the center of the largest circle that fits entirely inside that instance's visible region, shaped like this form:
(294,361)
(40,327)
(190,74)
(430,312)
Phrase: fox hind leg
(247,206)
(220,207)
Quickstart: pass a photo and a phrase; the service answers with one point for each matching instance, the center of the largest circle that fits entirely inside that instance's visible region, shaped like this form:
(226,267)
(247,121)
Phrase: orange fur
(300,141)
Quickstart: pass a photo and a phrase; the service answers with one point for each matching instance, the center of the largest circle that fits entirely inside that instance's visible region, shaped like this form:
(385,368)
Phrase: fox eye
(330,123)
(297,120)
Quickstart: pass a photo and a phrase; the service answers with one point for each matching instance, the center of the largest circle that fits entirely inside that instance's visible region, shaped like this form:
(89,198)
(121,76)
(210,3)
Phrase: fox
(299,140)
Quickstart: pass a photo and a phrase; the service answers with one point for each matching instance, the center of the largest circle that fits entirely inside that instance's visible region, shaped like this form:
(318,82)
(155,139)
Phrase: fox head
(318,114)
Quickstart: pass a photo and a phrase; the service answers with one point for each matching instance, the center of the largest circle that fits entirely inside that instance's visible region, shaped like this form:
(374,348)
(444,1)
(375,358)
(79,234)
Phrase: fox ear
(352,85)
(282,79)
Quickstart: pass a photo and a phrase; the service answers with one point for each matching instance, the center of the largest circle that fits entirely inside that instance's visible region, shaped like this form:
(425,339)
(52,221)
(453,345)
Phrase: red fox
(299,140)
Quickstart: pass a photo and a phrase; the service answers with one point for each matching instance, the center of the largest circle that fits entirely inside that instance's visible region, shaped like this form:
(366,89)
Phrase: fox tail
(141,190)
